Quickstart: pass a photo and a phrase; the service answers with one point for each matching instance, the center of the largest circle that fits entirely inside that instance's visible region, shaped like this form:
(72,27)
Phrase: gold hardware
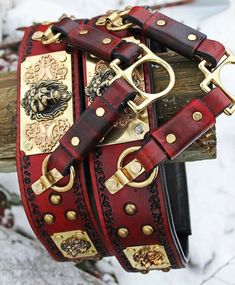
(192,37)
(49,179)
(214,78)
(100,112)
(75,141)
(74,244)
(127,74)
(47,37)
(147,230)
(49,219)
(130,209)
(131,126)
(197,116)
(55,199)
(113,20)
(166,269)
(71,215)
(123,232)
(148,257)
(44,121)
(83,32)
(171,138)
(161,22)
(107,41)
(125,175)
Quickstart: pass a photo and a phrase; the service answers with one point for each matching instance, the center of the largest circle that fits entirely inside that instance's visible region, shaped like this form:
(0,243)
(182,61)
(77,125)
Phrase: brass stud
(161,22)
(75,141)
(106,41)
(100,112)
(112,184)
(62,58)
(144,271)
(123,232)
(71,215)
(28,146)
(192,37)
(167,269)
(170,138)
(37,36)
(197,116)
(136,167)
(49,219)
(55,199)
(130,209)
(27,64)
(83,32)
(147,230)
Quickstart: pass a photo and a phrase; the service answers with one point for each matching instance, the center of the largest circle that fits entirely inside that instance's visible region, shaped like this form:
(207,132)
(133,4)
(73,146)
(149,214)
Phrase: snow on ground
(210,183)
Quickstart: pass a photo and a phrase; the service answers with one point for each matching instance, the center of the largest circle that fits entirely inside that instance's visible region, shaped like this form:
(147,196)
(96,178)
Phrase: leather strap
(176,36)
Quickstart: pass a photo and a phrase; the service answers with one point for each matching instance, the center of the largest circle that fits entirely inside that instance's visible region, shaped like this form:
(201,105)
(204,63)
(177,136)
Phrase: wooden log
(25,261)
(188,78)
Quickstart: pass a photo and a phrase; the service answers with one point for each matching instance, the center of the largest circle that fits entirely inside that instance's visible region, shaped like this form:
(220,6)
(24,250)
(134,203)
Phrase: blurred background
(211,187)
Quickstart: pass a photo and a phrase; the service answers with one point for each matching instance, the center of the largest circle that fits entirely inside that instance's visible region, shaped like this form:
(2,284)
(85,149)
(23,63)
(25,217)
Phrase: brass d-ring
(134,184)
(57,188)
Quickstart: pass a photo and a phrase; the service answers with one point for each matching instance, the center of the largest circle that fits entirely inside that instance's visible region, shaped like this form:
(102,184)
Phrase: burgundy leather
(185,129)
(92,41)
(174,35)
(90,128)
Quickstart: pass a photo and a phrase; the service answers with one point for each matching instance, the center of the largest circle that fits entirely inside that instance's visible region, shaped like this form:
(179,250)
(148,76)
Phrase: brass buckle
(113,20)
(125,175)
(50,178)
(47,37)
(214,78)
(147,98)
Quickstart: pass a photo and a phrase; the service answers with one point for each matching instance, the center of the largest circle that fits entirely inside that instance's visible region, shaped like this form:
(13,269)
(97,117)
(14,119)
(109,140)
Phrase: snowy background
(211,187)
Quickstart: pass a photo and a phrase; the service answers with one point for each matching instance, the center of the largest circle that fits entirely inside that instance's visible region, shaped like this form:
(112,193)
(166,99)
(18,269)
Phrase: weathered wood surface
(188,78)
(25,261)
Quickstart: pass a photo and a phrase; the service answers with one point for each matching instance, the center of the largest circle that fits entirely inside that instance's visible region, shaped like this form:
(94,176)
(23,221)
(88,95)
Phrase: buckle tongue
(147,98)
(213,77)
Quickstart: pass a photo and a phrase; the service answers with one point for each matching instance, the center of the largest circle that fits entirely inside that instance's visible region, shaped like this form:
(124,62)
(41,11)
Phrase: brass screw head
(130,209)
(136,167)
(123,232)
(106,41)
(62,58)
(83,32)
(161,22)
(27,64)
(112,184)
(100,112)
(28,146)
(71,215)
(197,116)
(147,230)
(192,37)
(167,269)
(170,138)
(75,141)
(55,199)
(49,219)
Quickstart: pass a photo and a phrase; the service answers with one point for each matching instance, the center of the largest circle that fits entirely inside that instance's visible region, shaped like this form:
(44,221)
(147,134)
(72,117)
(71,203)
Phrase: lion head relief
(46,100)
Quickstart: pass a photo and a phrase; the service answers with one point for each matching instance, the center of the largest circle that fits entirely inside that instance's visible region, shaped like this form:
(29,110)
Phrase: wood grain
(188,78)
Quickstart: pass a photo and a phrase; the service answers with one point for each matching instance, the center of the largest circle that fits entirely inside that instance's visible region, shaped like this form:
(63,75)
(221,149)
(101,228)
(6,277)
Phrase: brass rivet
(55,199)
(161,22)
(49,219)
(62,58)
(144,271)
(192,37)
(147,230)
(27,64)
(75,141)
(130,209)
(112,184)
(100,112)
(167,269)
(83,32)
(28,146)
(123,232)
(171,138)
(106,41)
(135,167)
(71,215)
(197,116)
(37,35)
